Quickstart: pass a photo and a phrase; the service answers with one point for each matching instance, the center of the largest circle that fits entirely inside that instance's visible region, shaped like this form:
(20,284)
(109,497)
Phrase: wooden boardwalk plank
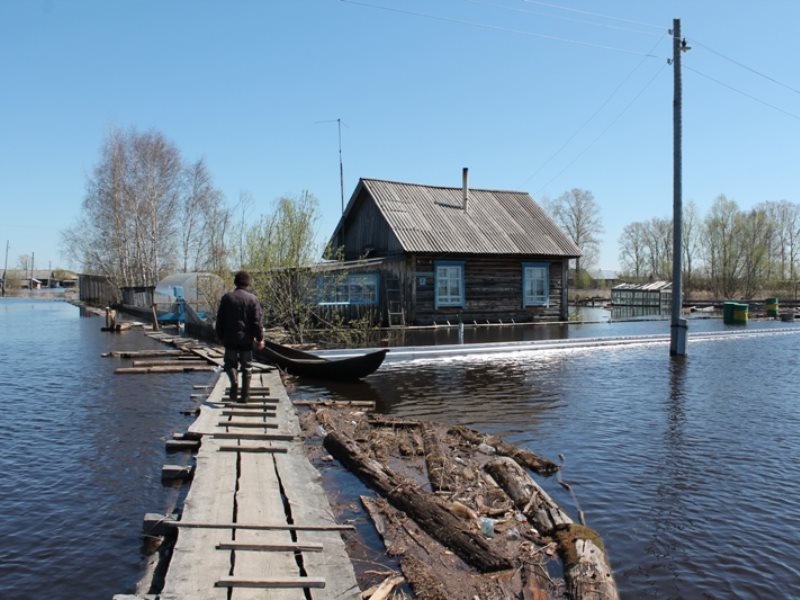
(195,566)
(242,478)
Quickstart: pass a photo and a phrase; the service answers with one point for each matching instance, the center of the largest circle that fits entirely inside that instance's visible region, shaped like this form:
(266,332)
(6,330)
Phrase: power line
(592,14)
(745,94)
(744,66)
(591,118)
(564,18)
(495,28)
(602,133)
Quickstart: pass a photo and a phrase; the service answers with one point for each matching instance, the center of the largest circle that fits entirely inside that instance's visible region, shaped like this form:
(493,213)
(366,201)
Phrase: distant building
(655,294)
(428,254)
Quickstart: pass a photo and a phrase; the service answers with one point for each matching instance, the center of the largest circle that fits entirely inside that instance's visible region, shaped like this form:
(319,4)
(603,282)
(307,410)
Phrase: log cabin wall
(493,291)
(367,234)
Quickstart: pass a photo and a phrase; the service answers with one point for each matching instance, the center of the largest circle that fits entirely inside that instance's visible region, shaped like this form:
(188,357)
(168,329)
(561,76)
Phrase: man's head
(241,279)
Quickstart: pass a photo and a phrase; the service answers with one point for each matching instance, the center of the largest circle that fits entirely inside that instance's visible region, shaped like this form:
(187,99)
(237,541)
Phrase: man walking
(239,328)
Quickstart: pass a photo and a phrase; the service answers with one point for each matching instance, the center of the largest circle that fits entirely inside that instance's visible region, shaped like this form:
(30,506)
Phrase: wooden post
(155,319)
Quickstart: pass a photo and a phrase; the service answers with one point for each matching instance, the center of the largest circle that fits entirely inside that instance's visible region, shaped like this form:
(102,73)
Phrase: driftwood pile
(461,512)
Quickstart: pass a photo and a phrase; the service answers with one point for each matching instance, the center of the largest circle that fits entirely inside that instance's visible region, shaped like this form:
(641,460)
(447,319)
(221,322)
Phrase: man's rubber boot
(245,387)
(231,373)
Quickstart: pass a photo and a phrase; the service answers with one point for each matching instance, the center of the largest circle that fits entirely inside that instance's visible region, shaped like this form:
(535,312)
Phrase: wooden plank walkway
(256,522)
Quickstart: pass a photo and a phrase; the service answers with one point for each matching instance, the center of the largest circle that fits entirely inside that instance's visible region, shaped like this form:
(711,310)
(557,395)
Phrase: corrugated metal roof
(432,219)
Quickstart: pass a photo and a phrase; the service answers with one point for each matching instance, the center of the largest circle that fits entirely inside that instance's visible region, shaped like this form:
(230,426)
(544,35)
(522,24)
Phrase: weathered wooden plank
(246,435)
(195,566)
(142,353)
(303,490)
(247,424)
(181,445)
(277,583)
(288,547)
(174,369)
(173,362)
(258,481)
(266,449)
(257,412)
(259,526)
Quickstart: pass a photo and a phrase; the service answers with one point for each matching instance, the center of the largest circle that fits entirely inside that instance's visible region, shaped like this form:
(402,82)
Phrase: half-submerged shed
(451,254)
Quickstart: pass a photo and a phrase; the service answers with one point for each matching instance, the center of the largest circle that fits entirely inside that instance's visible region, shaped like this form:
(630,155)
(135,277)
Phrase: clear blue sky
(424,88)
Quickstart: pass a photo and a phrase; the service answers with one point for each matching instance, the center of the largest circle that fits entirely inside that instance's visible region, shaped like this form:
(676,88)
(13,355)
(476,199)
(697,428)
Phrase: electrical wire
(602,133)
(744,66)
(495,28)
(592,14)
(745,94)
(563,18)
(591,118)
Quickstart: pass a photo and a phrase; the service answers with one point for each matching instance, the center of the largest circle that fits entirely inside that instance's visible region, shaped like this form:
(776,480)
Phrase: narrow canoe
(305,364)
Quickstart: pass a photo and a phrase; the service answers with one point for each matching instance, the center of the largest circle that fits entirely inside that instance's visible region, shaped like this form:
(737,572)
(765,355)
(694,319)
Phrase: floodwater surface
(81,452)
(688,467)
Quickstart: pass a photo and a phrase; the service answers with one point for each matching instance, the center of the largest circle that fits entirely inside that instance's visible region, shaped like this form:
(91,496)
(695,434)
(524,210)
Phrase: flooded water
(80,453)
(689,468)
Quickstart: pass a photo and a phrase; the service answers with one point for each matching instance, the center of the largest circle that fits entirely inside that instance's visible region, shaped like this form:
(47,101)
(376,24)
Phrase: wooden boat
(297,362)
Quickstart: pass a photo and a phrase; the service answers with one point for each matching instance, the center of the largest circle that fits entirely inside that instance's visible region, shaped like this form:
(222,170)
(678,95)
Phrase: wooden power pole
(678,325)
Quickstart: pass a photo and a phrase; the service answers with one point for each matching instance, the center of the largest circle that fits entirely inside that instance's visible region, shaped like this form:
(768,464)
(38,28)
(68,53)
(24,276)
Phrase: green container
(773,307)
(735,313)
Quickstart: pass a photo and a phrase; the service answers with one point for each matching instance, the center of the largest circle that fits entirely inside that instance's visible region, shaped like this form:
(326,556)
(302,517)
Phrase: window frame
(534,300)
(449,302)
(342,292)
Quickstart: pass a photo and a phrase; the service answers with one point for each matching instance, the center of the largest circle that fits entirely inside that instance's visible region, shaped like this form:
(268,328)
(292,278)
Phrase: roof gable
(432,219)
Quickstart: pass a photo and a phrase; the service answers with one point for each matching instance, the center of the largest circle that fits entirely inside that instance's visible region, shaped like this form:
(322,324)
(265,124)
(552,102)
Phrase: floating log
(587,572)
(435,460)
(421,506)
(283,583)
(378,421)
(527,495)
(526,458)
(423,580)
(336,403)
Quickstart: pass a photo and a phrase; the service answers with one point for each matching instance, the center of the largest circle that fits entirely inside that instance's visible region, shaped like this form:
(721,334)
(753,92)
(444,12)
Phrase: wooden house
(429,254)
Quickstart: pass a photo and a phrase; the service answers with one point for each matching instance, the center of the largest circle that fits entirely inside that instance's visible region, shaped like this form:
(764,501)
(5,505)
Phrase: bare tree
(129,228)
(204,220)
(721,246)
(690,243)
(25,262)
(281,248)
(577,212)
(632,250)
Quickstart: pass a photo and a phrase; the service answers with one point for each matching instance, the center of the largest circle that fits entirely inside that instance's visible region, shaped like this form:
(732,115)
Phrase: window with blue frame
(352,288)
(535,284)
(449,283)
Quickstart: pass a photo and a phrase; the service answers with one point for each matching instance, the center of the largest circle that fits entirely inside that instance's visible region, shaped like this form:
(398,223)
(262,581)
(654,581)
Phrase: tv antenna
(341,168)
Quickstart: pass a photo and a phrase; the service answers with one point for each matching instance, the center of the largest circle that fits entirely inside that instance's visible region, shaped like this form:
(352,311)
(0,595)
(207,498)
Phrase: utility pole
(5,270)
(678,326)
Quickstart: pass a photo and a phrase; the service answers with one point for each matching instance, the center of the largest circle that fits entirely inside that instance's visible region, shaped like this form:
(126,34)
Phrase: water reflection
(689,468)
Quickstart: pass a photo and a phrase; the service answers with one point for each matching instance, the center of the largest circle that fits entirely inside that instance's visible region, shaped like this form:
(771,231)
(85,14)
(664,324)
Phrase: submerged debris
(460,511)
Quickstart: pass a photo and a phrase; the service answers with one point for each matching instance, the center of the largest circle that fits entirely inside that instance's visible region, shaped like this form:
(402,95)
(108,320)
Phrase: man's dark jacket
(239,320)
